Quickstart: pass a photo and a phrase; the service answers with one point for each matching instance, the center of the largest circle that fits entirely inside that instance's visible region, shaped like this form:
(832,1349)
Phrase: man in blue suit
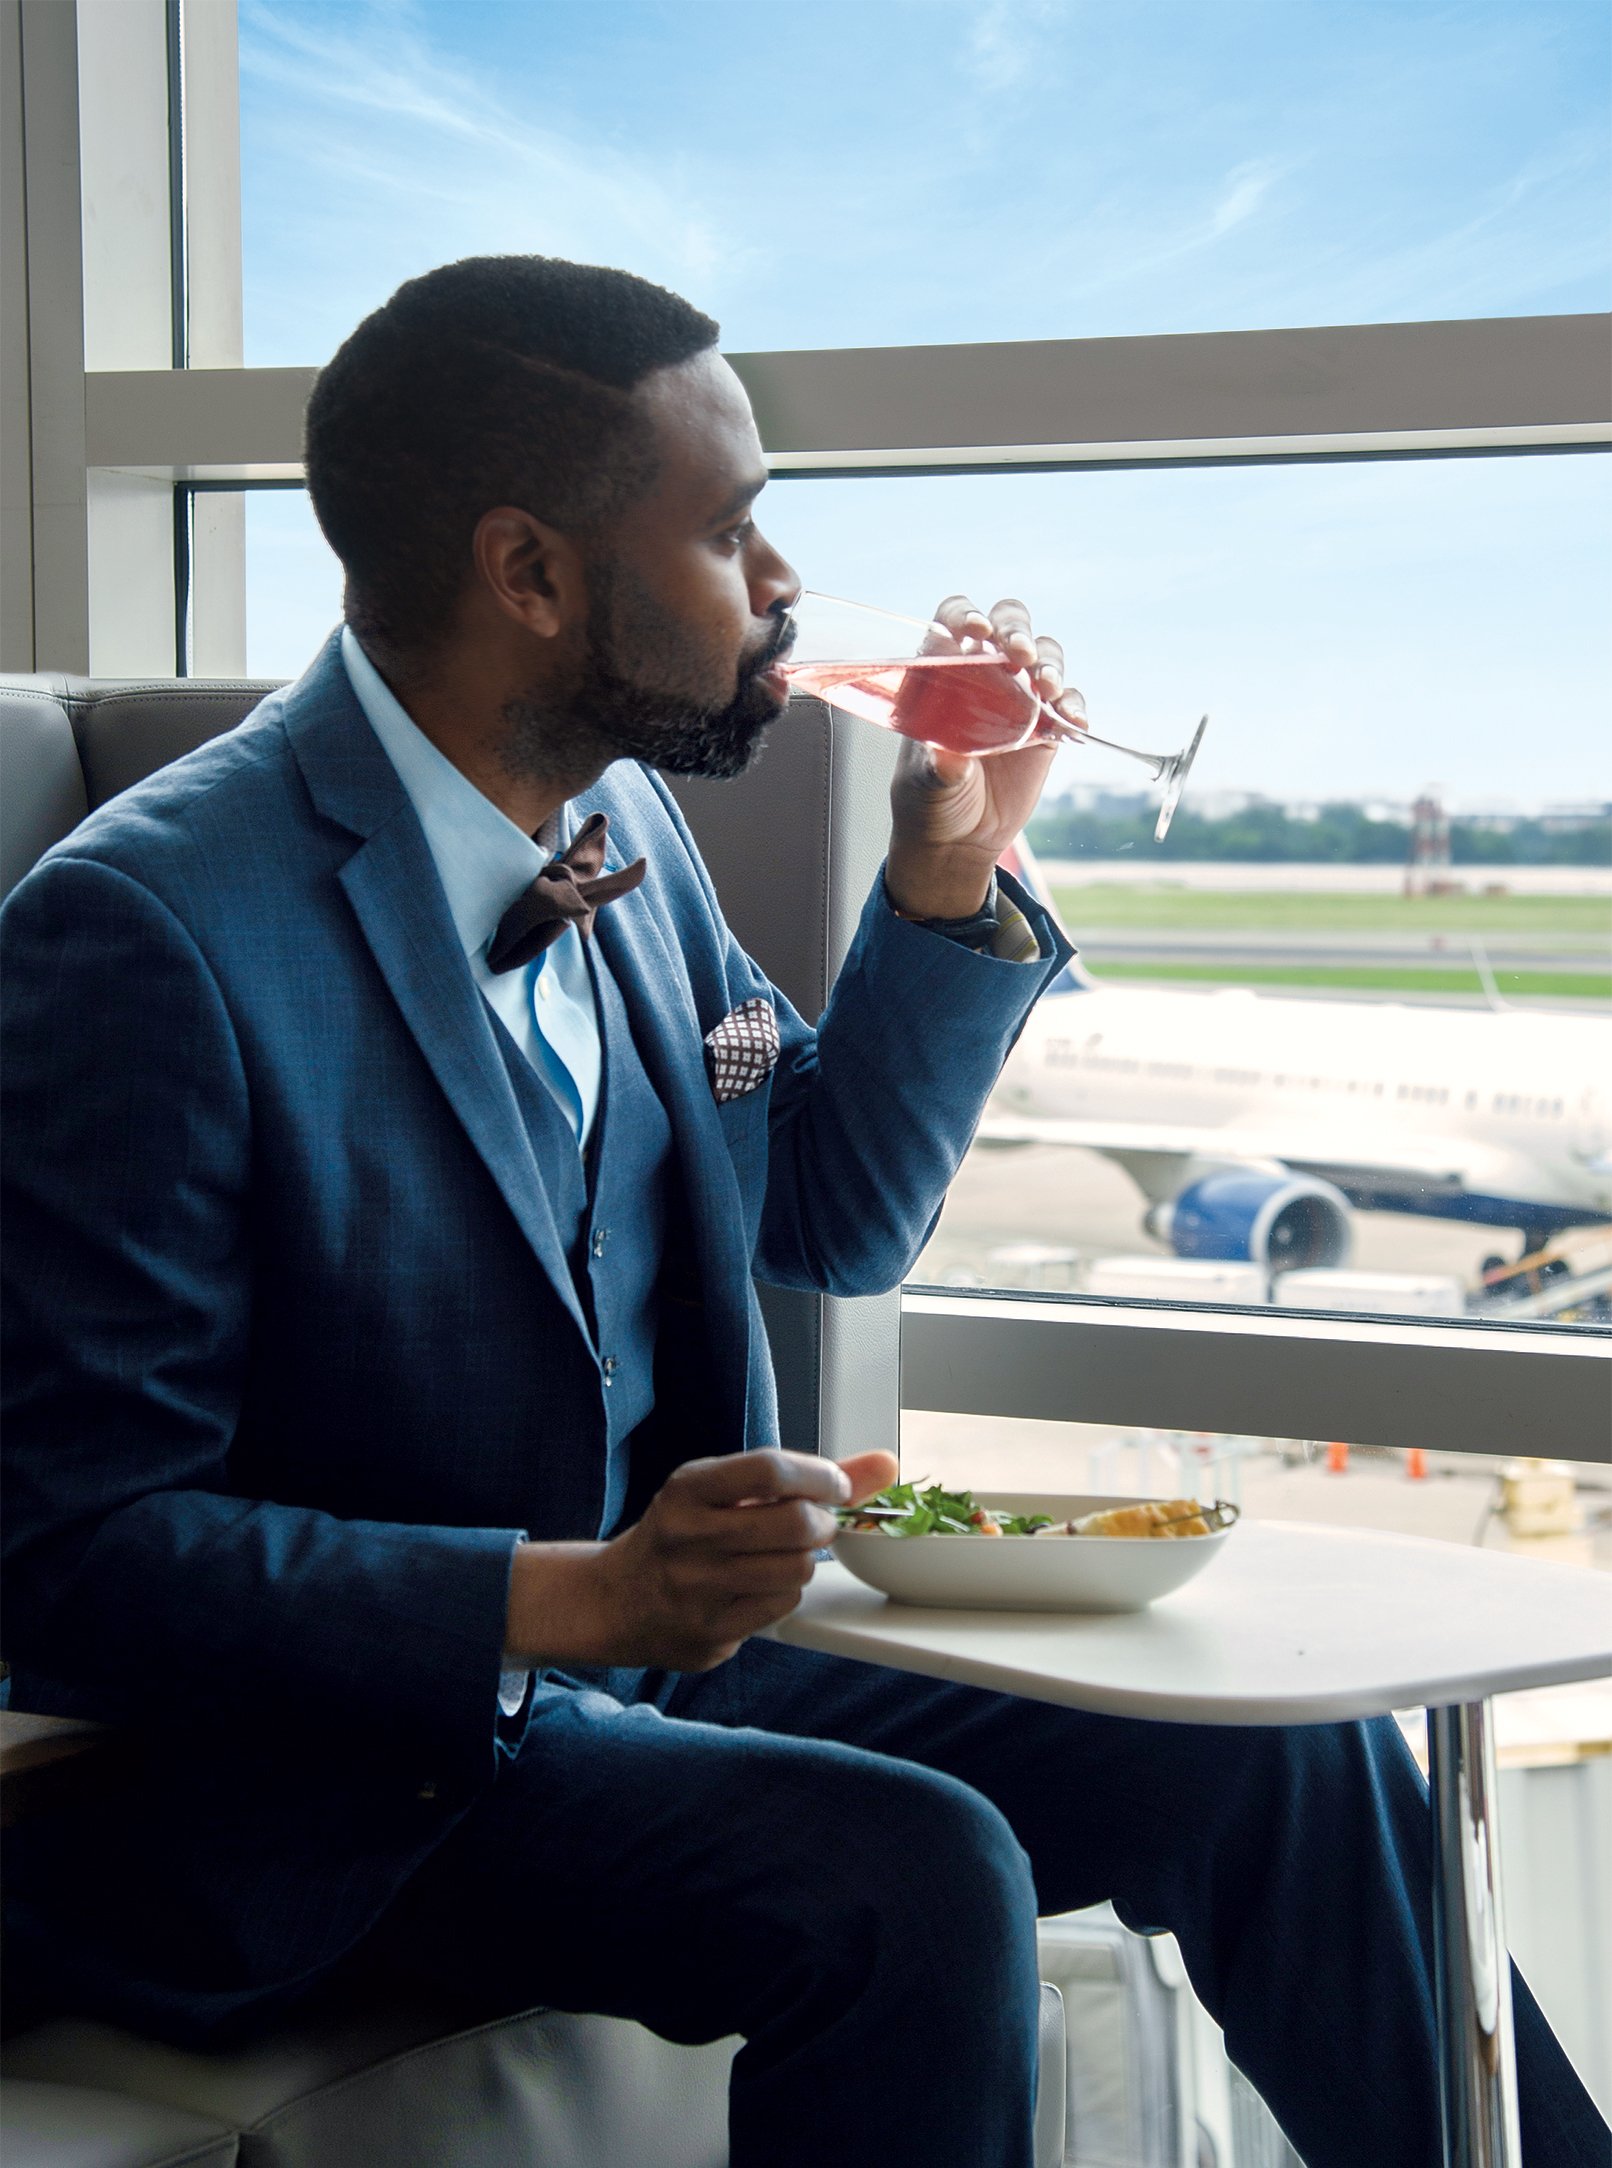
(390,1148)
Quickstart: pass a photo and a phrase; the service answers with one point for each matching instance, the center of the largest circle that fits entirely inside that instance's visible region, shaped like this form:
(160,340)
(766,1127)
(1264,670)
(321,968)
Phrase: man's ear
(532,571)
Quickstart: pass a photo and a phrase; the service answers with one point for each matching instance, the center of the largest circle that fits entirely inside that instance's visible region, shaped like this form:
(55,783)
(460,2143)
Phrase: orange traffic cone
(1337,1458)
(1416,1464)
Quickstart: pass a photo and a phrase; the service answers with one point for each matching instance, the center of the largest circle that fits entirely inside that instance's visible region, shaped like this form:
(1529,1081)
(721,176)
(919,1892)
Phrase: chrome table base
(1477,2061)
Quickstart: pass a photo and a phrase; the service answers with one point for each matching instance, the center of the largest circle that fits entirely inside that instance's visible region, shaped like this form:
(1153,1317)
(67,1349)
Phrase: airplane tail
(1019,860)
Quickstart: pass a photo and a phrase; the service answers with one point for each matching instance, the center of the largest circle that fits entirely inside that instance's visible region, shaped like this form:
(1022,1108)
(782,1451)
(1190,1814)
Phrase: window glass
(1275,1074)
(933,170)
(293,584)
(1280,1056)
(1538,1509)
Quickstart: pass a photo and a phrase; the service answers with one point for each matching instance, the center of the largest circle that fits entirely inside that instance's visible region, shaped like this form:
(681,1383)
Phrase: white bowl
(1029,1573)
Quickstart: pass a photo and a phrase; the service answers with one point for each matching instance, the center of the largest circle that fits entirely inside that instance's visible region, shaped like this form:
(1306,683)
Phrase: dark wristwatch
(977,931)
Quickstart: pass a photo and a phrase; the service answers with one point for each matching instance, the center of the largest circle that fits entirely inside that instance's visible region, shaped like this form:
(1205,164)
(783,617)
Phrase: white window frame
(97,456)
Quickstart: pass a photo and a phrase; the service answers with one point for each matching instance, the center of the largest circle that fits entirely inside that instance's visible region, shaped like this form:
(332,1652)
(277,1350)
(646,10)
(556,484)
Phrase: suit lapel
(391,882)
(654,986)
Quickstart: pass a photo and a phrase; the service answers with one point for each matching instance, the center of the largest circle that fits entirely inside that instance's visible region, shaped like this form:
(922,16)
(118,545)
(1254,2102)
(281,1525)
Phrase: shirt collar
(482,859)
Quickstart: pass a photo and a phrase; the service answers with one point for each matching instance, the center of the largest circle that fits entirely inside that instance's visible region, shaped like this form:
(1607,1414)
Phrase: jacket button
(609,1367)
(601,1235)
(426,1791)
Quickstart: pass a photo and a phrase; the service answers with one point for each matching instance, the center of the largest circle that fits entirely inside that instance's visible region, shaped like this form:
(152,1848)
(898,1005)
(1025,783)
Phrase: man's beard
(615,713)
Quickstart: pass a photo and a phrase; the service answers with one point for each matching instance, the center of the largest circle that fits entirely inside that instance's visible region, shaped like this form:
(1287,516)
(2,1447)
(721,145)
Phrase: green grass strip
(1212,910)
(1579,985)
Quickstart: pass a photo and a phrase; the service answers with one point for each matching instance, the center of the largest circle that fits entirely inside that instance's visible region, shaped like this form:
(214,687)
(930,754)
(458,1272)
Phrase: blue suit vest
(610,1209)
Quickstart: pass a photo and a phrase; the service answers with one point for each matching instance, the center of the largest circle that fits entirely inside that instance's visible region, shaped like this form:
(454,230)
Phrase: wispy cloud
(1244,189)
(1125,240)
(1003,40)
(382,109)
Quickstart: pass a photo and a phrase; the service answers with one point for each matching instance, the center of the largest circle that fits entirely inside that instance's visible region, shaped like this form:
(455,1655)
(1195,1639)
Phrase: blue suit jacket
(293,1354)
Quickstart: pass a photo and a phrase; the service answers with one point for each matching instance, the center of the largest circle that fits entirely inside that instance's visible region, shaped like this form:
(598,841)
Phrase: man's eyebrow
(745,495)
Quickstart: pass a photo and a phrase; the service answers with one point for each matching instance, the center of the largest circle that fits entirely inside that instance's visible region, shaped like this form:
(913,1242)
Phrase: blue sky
(899,171)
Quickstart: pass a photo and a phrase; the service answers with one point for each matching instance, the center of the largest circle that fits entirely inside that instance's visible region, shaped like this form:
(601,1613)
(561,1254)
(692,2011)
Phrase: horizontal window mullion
(1352,380)
(1363,1381)
(1501,383)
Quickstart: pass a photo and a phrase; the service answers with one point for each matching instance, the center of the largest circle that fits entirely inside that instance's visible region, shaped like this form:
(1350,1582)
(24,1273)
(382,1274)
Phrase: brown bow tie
(567,892)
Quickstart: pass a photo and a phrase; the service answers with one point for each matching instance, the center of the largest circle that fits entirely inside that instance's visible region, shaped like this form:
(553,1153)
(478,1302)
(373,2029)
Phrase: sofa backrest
(792,846)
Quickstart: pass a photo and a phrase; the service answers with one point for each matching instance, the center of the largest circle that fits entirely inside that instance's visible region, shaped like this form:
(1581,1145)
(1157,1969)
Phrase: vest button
(601,1235)
(426,1791)
(609,1367)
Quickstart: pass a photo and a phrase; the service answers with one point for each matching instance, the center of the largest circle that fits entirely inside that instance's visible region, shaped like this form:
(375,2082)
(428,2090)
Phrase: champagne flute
(911,675)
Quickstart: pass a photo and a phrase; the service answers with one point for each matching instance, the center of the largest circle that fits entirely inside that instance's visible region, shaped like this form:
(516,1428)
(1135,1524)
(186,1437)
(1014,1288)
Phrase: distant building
(1223,805)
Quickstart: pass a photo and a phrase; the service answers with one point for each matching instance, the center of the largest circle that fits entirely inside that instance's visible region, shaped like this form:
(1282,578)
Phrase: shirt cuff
(998,928)
(1015,940)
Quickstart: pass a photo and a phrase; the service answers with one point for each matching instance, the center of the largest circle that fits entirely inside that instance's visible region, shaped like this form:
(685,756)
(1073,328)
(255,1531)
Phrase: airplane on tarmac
(1255,1125)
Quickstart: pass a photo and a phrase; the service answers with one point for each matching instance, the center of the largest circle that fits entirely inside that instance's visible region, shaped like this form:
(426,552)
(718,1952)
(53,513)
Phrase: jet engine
(1285,1221)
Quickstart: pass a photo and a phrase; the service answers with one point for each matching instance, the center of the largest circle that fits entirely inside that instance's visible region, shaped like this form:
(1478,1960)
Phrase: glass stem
(1078,734)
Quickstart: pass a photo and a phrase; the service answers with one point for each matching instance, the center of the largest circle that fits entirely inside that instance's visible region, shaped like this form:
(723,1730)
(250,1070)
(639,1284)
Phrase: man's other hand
(954,815)
(724,1549)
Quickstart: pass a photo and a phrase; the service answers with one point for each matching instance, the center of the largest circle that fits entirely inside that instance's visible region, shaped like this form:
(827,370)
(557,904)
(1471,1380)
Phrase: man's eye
(736,537)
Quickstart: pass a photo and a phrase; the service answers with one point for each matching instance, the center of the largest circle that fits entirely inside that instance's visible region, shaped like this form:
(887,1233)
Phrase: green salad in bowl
(905,1509)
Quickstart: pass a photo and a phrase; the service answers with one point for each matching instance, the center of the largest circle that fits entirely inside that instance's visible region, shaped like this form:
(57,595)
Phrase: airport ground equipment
(411,2083)
(1299,1625)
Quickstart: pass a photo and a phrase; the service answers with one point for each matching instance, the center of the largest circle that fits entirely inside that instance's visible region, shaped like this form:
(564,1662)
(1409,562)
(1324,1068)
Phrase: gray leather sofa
(409,2084)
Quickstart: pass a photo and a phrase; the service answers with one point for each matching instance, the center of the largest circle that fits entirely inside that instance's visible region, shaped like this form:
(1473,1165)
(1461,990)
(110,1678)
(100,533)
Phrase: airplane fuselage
(1508,1112)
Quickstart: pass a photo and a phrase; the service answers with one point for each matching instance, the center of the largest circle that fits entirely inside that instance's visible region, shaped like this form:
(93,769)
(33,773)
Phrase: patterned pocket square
(742,1051)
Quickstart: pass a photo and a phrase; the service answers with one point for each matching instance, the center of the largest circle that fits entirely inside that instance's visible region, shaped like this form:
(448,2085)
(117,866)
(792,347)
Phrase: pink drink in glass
(962,703)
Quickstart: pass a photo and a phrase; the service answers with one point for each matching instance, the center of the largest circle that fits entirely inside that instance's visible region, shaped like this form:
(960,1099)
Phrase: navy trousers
(844,1864)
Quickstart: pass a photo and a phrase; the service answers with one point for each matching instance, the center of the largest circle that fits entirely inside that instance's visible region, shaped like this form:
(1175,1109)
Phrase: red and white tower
(1427,868)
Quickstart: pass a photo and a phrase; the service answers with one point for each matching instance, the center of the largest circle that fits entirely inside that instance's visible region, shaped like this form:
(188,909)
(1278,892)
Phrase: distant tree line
(1343,835)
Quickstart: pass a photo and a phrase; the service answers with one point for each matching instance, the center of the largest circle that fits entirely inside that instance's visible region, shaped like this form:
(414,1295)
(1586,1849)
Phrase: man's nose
(775,585)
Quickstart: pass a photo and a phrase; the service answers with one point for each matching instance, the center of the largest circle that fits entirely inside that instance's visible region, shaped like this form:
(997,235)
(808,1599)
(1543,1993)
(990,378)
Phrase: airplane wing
(1429,1164)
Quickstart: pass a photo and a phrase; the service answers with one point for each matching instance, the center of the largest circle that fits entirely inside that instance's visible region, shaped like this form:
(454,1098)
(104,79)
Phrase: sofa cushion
(537,2090)
(127,731)
(74,2126)
(414,2086)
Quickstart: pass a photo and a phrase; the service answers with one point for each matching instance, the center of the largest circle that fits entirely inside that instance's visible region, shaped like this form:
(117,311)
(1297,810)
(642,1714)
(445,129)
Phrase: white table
(1302,1625)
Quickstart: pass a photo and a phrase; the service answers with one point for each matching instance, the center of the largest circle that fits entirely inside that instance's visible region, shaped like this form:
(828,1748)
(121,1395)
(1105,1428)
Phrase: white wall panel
(55,335)
(16,423)
(123,123)
(131,561)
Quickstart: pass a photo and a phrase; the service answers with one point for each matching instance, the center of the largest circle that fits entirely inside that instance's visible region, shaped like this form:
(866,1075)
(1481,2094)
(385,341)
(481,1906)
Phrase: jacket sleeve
(134,1570)
(872,1113)
(872,1109)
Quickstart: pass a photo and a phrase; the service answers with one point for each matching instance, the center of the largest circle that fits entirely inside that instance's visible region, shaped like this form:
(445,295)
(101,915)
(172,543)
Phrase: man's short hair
(497,380)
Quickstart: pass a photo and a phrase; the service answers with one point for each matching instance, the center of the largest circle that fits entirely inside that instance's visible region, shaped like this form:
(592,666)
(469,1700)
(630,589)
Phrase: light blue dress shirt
(484,862)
